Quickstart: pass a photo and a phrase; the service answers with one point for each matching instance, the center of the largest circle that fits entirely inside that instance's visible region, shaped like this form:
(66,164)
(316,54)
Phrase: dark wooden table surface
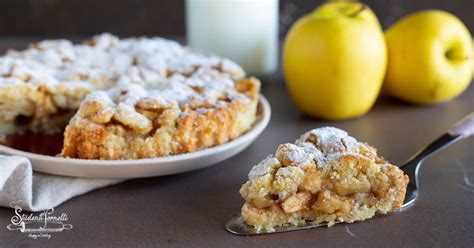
(190,209)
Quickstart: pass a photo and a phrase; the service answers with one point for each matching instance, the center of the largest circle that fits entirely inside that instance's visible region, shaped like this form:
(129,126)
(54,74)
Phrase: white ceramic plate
(146,167)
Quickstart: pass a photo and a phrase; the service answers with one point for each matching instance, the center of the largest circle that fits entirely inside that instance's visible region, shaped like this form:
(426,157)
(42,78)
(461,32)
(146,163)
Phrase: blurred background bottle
(245,31)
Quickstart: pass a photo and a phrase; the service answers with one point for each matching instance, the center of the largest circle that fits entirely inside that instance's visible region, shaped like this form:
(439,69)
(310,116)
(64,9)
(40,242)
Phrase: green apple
(429,57)
(334,60)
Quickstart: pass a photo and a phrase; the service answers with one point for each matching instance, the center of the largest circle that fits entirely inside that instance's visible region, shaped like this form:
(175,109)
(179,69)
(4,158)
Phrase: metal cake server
(460,130)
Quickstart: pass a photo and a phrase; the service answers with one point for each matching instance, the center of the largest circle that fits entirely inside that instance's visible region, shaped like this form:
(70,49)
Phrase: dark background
(166,17)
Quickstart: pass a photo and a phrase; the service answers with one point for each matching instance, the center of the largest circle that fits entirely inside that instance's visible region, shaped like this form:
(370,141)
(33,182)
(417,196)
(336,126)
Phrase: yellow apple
(334,60)
(429,57)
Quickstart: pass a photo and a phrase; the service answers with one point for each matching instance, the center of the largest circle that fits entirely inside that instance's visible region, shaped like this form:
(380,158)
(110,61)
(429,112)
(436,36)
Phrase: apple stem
(452,55)
(362,7)
(459,58)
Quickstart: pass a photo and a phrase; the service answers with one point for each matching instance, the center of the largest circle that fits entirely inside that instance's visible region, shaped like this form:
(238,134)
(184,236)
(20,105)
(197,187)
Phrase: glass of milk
(245,31)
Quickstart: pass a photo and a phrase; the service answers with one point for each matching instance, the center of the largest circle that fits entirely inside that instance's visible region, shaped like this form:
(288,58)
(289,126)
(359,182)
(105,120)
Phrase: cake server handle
(464,128)
(461,130)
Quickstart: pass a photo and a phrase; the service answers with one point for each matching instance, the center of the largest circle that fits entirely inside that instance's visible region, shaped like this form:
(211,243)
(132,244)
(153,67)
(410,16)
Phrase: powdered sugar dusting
(314,153)
(328,143)
(288,171)
(105,60)
(143,67)
(330,140)
(321,145)
(290,154)
(267,166)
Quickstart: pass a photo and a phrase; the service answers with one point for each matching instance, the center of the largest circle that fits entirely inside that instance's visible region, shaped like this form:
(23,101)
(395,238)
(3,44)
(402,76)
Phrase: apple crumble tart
(125,98)
(326,177)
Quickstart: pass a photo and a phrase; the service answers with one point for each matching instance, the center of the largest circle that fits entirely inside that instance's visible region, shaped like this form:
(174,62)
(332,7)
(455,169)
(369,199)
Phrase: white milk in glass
(245,31)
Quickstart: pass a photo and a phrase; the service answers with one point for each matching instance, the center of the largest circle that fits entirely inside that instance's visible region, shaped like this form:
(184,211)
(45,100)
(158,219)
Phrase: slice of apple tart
(325,177)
